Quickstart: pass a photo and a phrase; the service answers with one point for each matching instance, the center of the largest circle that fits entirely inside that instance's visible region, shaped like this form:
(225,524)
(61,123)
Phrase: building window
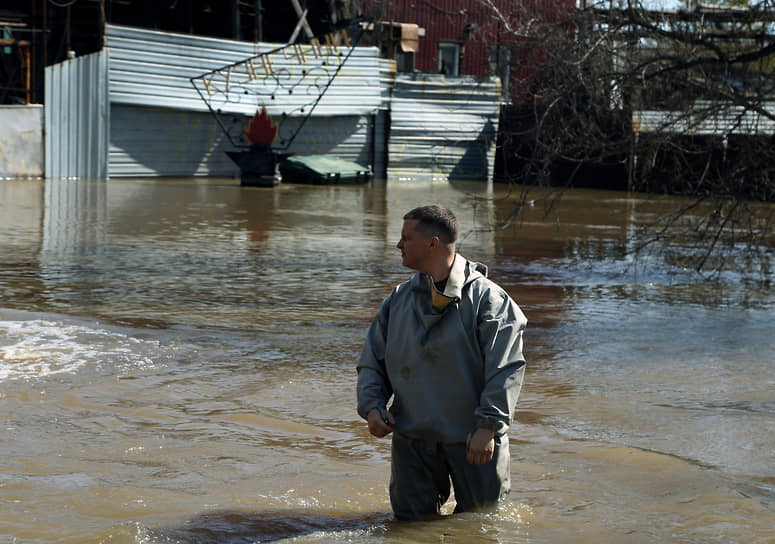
(404,59)
(449,59)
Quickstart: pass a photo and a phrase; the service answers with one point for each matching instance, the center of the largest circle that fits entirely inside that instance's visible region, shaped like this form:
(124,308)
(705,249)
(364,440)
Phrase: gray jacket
(452,362)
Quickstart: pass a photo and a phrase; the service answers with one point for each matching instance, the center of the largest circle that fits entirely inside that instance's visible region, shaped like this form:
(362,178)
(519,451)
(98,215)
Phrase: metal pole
(235,22)
(26,50)
(67,33)
(498,52)
(45,34)
(102,24)
(301,14)
(34,50)
(259,34)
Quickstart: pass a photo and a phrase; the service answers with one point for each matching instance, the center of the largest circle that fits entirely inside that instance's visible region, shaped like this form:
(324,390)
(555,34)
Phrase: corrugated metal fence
(706,118)
(162,126)
(131,110)
(443,127)
(152,68)
(77,117)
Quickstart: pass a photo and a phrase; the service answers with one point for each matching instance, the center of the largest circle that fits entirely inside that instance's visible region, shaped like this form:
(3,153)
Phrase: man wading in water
(447,347)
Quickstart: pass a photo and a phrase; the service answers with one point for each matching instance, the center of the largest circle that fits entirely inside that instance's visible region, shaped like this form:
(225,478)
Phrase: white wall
(21,141)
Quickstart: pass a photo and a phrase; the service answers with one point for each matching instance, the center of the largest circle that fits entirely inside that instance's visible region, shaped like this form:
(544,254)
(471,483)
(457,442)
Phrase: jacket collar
(461,273)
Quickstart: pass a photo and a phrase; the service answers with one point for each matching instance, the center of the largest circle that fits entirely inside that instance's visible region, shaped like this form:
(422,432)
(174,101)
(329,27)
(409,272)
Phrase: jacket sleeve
(500,327)
(374,388)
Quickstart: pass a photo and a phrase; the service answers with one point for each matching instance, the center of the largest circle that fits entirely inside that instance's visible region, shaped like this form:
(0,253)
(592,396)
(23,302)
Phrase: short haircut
(435,220)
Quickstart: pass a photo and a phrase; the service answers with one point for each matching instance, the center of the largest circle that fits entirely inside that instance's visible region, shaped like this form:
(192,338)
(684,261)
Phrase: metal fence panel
(443,127)
(149,142)
(161,126)
(153,68)
(706,118)
(76,117)
(146,141)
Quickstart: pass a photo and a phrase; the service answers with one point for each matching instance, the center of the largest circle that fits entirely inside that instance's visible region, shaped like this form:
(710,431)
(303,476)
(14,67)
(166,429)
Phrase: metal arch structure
(289,80)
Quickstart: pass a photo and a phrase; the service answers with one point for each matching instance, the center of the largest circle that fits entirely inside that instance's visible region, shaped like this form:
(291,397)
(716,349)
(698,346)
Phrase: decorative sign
(288,81)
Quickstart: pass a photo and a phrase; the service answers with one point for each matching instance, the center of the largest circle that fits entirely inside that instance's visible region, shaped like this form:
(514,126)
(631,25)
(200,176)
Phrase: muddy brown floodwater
(177,365)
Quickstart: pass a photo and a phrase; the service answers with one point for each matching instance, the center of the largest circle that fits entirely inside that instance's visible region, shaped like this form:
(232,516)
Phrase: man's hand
(481,447)
(377,426)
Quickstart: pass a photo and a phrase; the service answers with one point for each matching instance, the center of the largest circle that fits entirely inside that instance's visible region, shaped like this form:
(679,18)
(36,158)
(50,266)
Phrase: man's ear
(433,242)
